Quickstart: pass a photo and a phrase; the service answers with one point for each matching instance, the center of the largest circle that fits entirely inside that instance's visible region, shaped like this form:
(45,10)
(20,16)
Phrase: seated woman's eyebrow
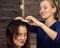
(18,34)
(21,33)
(25,33)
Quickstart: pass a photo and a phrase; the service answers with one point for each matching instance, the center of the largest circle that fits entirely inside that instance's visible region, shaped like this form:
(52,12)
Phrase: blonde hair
(53,4)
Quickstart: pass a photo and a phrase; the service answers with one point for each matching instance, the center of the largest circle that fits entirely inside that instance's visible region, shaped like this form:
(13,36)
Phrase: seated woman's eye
(18,34)
(25,34)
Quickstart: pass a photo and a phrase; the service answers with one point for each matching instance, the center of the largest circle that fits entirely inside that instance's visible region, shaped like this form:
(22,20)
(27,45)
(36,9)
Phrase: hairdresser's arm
(51,33)
(54,35)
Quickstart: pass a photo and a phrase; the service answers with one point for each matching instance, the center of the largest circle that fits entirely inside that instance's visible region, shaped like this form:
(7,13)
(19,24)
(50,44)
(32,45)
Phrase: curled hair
(12,29)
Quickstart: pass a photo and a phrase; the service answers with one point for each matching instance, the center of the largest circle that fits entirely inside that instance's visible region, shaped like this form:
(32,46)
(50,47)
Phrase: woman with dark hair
(17,34)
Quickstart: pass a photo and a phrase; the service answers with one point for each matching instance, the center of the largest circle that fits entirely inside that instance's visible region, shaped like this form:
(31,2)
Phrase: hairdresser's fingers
(29,18)
(34,21)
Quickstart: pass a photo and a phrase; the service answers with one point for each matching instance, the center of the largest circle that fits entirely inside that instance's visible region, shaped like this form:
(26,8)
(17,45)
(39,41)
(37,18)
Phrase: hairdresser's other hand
(19,18)
(34,21)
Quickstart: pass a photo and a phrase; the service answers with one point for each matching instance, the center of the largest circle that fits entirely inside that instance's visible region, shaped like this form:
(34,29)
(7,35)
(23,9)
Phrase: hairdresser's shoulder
(57,23)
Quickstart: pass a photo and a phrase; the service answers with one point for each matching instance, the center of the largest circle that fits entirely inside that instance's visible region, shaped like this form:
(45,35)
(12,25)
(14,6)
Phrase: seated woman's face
(21,36)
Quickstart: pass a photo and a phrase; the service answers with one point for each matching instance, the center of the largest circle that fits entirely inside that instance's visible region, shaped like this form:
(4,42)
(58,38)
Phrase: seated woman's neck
(18,47)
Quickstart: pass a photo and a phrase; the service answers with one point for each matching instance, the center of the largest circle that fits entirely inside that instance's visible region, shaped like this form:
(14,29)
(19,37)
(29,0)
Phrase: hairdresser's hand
(18,18)
(34,21)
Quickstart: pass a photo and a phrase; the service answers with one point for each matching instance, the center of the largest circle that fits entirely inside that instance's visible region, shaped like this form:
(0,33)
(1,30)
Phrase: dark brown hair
(12,29)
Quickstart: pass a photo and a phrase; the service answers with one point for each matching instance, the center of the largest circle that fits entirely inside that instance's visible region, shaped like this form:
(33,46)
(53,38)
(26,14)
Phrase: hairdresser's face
(21,37)
(46,10)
